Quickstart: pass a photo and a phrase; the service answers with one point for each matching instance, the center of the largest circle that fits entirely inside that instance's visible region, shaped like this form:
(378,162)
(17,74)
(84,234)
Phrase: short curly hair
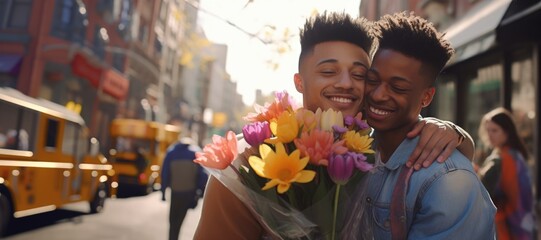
(328,27)
(413,36)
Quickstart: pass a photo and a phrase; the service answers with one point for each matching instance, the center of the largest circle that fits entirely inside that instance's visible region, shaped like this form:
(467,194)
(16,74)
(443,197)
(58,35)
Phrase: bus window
(127,144)
(8,123)
(143,145)
(52,133)
(17,140)
(12,136)
(28,125)
(82,144)
(123,144)
(69,139)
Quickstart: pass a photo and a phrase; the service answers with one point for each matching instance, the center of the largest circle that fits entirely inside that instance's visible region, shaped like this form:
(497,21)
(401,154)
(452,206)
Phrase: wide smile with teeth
(341,99)
(379,111)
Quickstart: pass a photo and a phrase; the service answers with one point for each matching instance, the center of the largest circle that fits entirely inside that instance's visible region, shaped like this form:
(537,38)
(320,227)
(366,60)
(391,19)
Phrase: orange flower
(220,153)
(318,145)
(270,111)
(307,119)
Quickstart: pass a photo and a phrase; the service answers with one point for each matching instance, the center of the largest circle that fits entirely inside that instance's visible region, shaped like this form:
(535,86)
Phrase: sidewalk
(190,222)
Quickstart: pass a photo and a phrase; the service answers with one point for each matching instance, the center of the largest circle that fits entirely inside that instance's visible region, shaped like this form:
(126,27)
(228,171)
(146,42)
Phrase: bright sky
(247,60)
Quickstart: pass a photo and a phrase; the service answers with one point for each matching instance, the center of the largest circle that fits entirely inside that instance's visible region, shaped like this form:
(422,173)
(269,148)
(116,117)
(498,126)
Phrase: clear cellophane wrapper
(278,218)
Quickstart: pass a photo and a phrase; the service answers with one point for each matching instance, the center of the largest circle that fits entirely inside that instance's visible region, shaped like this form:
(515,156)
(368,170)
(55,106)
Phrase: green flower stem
(335,210)
(291,197)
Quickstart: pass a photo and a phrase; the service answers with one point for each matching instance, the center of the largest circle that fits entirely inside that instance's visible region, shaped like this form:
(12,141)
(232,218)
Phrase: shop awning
(475,32)
(521,23)
(10,63)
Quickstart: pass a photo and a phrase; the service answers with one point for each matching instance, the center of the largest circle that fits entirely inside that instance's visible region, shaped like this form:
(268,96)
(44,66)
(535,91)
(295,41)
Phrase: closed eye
(358,76)
(371,81)
(399,89)
(328,72)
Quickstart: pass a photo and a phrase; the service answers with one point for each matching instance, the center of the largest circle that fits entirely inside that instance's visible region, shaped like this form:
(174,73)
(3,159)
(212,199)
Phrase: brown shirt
(224,216)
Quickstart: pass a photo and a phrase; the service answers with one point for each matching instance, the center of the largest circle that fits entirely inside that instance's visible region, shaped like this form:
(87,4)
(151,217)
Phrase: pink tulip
(220,153)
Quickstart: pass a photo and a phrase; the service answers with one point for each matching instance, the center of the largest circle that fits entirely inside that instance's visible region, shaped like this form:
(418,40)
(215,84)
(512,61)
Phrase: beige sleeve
(224,216)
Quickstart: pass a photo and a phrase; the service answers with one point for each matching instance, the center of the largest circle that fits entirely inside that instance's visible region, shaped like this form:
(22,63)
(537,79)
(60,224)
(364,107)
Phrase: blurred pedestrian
(505,175)
(186,180)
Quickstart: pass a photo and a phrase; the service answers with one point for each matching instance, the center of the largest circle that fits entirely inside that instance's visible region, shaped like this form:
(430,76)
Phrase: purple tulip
(360,162)
(339,129)
(255,133)
(349,120)
(361,124)
(340,168)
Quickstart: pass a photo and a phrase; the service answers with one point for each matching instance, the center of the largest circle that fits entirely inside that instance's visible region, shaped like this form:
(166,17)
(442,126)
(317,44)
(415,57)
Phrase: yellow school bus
(46,158)
(137,151)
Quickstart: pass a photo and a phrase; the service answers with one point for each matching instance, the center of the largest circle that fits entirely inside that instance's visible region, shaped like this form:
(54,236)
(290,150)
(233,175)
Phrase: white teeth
(379,111)
(341,99)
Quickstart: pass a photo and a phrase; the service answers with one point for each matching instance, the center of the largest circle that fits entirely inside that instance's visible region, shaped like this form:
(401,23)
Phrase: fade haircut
(415,37)
(328,27)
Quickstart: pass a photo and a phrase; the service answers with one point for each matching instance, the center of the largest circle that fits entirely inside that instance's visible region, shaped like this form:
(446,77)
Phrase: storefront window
(483,95)
(445,98)
(523,99)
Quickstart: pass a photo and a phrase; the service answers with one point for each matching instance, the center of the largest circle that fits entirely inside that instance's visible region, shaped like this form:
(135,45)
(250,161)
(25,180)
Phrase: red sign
(82,68)
(113,83)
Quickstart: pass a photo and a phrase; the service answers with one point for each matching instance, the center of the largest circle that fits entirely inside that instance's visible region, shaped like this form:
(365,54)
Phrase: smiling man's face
(396,90)
(332,76)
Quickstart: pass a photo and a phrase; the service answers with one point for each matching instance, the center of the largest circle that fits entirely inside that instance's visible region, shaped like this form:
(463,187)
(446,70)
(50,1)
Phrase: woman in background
(505,175)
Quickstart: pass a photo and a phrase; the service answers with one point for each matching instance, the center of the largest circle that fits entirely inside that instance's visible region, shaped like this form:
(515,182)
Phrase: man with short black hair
(443,201)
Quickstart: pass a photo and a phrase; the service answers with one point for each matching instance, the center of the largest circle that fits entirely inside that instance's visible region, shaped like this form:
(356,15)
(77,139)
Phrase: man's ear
(428,95)
(298,83)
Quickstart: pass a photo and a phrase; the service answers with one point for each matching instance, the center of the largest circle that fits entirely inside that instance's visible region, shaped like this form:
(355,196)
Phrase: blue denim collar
(402,153)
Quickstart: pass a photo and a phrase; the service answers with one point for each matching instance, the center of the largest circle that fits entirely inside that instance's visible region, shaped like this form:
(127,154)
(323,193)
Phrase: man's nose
(344,81)
(379,93)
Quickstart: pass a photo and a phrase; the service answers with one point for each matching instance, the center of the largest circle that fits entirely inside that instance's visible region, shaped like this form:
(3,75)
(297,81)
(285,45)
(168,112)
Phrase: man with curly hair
(443,201)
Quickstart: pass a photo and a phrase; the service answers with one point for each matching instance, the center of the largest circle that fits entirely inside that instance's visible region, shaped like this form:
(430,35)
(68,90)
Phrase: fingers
(445,154)
(431,150)
(423,147)
(416,129)
(438,149)
(436,142)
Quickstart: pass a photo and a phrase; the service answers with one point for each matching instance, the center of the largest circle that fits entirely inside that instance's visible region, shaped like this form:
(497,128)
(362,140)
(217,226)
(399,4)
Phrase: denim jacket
(443,201)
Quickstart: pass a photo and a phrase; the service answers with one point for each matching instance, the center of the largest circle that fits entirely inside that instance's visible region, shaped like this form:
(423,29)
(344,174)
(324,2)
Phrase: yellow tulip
(282,169)
(330,118)
(284,128)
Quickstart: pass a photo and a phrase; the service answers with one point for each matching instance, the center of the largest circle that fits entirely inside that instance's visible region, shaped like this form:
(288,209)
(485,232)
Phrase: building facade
(58,50)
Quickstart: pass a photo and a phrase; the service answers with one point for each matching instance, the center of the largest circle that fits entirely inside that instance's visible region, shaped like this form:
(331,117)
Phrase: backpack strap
(398,216)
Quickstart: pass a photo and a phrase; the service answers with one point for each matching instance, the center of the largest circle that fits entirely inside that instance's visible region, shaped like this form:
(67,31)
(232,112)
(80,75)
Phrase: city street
(137,218)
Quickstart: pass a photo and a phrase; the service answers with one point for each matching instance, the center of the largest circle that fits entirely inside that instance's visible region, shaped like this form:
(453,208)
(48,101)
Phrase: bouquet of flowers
(295,167)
